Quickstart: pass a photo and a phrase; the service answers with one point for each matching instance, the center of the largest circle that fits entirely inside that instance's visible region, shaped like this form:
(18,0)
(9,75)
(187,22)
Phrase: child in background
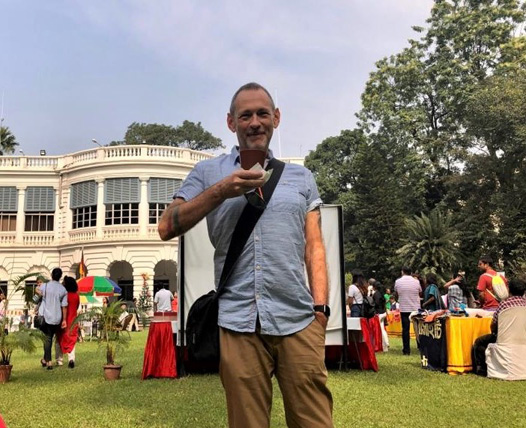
(387,297)
(394,304)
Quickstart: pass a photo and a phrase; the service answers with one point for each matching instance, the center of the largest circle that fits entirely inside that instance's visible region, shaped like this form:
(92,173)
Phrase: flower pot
(112,372)
(5,373)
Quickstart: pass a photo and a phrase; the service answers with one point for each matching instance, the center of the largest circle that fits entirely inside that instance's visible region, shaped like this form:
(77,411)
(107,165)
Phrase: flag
(83,270)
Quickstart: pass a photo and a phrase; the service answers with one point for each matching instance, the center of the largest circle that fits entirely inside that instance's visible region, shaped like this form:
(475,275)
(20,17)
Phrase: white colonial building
(104,203)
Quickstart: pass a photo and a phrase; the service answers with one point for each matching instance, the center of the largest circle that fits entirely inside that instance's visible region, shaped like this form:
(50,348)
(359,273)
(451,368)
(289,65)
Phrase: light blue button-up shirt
(54,298)
(268,279)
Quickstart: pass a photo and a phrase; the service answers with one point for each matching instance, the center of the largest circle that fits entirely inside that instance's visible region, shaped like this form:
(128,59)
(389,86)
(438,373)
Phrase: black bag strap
(246,223)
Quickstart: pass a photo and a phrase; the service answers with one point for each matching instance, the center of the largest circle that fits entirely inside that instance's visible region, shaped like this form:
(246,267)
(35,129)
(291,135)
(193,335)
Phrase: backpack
(499,289)
(368,310)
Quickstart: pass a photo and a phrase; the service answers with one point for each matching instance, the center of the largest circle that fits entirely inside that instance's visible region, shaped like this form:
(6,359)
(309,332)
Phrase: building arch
(165,272)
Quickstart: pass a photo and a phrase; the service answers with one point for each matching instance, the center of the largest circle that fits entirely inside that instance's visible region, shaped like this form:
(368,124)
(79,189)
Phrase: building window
(155,212)
(85,217)
(122,214)
(122,197)
(39,222)
(39,209)
(7,222)
(3,287)
(83,204)
(8,207)
(126,289)
(30,289)
(160,195)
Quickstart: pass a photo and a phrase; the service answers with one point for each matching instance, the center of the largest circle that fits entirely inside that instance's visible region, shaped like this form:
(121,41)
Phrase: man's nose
(254,121)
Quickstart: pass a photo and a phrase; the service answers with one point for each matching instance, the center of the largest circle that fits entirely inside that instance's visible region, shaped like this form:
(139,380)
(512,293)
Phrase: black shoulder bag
(202,331)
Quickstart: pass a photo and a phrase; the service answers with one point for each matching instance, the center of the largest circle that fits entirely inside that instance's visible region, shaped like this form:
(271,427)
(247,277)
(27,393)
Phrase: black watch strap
(324,309)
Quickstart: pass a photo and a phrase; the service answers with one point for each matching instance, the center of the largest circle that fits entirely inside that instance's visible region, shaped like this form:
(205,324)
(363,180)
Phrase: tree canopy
(441,129)
(7,141)
(189,135)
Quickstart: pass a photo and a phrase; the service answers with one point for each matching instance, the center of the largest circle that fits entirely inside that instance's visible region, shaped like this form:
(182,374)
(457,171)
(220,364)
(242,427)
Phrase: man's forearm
(181,216)
(315,260)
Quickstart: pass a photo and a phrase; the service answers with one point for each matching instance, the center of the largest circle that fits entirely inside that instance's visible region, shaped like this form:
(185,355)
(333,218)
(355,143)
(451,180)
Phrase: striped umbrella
(98,285)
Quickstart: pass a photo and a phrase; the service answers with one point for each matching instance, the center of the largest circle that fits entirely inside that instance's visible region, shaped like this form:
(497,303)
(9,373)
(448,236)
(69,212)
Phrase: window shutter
(8,199)
(121,190)
(40,199)
(162,190)
(83,194)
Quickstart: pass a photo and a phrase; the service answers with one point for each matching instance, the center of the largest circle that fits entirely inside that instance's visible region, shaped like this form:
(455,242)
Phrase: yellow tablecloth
(394,327)
(461,333)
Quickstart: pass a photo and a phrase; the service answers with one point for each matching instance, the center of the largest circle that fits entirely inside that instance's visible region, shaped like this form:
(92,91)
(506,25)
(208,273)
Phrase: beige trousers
(248,362)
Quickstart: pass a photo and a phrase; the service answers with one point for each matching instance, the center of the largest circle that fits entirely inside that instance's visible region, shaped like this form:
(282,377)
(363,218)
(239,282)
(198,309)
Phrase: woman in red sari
(67,338)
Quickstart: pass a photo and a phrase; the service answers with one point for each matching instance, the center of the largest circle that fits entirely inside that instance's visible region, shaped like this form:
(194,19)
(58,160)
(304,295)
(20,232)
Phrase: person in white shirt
(409,291)
(162,302)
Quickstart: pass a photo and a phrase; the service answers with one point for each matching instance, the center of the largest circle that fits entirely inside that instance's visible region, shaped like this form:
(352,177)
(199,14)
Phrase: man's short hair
(252,86)
(517,286)
(56,274)
(406,270)
(486,260)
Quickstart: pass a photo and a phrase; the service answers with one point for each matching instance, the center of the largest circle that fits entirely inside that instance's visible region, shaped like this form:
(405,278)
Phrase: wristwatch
(323,309)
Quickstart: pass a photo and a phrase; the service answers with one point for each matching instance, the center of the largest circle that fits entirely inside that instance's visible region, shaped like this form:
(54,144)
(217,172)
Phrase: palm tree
(431,245)
(7,141)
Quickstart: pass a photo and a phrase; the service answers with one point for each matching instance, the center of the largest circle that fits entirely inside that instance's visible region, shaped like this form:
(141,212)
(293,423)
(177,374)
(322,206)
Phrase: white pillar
(143,208)
(101,208)
(20,214)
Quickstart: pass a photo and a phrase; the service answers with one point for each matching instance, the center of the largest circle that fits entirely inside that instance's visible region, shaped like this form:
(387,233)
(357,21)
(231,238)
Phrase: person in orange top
(484,287)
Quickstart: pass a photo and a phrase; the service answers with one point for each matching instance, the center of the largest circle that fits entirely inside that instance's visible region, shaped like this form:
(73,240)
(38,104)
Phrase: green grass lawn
(401,394)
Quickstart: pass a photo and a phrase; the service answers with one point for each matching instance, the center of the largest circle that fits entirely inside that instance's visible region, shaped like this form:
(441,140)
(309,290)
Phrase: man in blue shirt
(271,321)
(53,308)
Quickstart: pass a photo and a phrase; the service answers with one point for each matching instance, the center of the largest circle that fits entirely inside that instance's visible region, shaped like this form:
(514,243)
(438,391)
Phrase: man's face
(482,266)
(253,120)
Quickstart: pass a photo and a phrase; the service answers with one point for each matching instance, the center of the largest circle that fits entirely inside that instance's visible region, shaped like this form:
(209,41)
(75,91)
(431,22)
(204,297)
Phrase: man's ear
(230,122)
(277,117)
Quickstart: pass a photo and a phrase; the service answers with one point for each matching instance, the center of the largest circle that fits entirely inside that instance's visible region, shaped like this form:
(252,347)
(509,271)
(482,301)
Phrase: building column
(101,208)
(20,214)
(143,208)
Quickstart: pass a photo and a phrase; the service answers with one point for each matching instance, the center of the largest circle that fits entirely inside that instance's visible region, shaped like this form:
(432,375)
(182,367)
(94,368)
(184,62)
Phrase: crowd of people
(417,293)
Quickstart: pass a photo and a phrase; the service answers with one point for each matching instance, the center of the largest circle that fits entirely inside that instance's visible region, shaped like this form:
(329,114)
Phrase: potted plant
(112,336)
(24,339)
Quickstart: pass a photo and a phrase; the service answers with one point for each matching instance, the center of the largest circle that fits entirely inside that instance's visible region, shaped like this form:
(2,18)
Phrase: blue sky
(73,70)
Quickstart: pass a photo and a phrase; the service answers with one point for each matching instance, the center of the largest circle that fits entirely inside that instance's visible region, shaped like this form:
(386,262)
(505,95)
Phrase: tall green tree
(194,136)
(7,141)
(490,195)
(431,245)
(418,139)
(190,135)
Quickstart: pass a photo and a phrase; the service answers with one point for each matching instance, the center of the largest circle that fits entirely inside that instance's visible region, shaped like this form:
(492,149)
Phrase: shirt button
(256,238)
(257,296)
(258,267)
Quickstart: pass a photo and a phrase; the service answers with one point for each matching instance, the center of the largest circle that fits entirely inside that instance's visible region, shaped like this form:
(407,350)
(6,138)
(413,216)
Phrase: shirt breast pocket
(286,198)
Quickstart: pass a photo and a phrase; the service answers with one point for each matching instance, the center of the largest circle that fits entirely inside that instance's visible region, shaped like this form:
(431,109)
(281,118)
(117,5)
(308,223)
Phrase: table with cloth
(394,325)
(445,342)
(159,353)
(364,339)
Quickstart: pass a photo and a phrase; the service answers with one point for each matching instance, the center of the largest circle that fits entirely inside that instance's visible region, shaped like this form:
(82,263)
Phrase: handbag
(38,321)
(202,331)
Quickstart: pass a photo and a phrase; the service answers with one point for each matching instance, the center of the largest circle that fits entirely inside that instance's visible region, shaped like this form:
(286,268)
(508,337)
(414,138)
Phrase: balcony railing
(103,154)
